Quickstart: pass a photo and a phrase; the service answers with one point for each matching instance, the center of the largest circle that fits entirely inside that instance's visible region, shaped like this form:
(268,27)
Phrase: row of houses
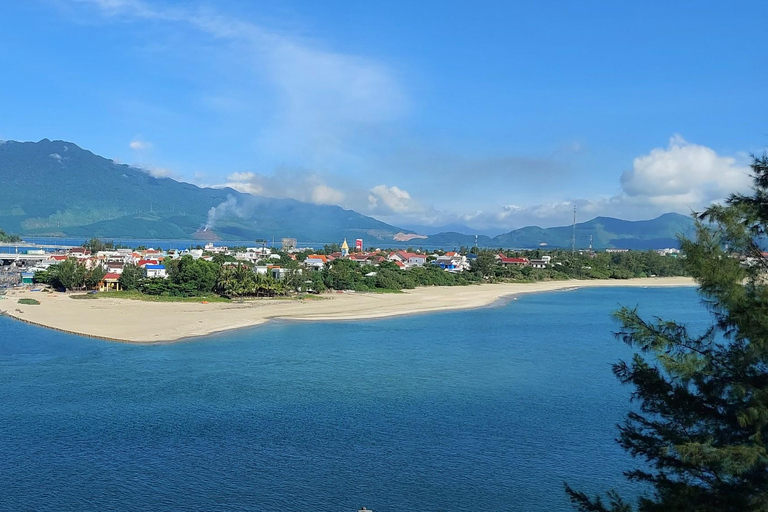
(405,260)
(543,262)
(152,261)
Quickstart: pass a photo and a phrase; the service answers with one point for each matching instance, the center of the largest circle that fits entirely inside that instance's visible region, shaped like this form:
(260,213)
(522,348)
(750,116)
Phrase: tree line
(9,238)
(226,276)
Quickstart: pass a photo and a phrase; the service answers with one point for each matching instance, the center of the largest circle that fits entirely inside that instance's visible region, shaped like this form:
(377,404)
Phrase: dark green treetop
(702,421)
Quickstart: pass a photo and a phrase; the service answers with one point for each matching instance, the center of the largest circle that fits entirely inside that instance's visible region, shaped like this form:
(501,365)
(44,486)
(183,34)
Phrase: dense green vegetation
(71,275)
(95,245)
(6,238)
(137,295)
(565,265)
(702,422)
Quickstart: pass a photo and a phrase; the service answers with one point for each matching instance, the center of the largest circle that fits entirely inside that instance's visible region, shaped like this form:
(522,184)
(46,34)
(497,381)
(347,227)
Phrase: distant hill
(606,232)
(55,188)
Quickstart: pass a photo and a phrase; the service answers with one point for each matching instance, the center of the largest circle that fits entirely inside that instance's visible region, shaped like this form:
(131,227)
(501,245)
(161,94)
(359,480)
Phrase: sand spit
(147,322)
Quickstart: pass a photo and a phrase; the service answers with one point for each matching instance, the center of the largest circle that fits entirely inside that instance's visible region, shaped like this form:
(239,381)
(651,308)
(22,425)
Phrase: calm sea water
(491,409)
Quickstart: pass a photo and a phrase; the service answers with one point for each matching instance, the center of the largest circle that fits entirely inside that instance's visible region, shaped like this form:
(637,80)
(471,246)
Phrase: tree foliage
(71,274)
(131,278)
(241,281)
(7,238)
(702,424)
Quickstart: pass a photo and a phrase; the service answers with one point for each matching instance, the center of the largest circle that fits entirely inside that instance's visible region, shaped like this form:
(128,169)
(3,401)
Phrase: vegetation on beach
(29,302)
(702,422)
(8,238)
(71,275)
(137,295)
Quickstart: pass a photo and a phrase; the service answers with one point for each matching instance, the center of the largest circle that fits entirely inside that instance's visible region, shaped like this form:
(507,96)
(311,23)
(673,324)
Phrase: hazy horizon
(489,117)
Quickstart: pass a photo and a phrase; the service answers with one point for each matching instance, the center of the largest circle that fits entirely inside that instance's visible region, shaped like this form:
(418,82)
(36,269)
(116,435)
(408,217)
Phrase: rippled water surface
(490,409)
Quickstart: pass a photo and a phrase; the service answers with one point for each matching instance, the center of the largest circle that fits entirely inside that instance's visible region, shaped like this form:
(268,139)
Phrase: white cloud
(388,200)
(55,156)
(285,183)
(140,145)
(158,172)
(323,194)
(325,98)
(683,175)
(241,176)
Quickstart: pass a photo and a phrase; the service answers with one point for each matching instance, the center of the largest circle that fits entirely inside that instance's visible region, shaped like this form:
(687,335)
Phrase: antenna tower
(573,237)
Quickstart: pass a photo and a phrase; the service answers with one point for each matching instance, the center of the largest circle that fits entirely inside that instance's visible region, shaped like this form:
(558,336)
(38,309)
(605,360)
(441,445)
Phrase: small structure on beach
(110,281)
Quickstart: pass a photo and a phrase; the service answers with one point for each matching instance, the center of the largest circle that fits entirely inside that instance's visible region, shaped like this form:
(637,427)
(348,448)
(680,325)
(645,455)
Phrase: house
(80,253)
(155,271)
(542,262)
(360,259)
(248,255)
(27,277)
(113,268)
(410,259)
(454,262)
(279,273)
(316,261)
(209,247)
(518,262)
(261,251)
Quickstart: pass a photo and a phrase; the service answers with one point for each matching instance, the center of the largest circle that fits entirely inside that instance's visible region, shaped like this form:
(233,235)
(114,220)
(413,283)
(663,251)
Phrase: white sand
(142,321)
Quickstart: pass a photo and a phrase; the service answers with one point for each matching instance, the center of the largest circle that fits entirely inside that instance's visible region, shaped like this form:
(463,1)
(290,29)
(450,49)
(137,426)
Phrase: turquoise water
(490,409)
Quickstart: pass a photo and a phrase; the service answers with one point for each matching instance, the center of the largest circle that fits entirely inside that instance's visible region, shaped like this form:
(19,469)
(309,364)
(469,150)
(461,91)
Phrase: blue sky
(492,115)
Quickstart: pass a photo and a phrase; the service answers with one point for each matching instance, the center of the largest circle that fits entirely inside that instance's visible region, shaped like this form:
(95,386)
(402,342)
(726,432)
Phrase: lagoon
(487,409)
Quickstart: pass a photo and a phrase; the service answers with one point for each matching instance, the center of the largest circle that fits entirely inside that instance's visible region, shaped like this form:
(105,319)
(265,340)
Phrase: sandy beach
(146,322)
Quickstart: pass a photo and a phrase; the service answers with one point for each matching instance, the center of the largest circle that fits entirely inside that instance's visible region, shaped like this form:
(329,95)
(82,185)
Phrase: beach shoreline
(141,322)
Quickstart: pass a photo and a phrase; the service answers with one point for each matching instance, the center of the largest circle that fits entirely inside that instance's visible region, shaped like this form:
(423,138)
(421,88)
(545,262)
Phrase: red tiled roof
(111,276)
(504,259)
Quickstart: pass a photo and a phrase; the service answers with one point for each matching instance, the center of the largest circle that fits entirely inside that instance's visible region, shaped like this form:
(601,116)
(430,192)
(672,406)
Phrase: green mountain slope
(56,188)
(606,232)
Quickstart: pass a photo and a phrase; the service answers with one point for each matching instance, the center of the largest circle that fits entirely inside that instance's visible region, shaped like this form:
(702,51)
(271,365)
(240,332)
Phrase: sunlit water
(491,409)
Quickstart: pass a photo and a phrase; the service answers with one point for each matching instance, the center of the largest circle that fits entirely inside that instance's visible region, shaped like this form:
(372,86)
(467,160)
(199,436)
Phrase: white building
(155,271)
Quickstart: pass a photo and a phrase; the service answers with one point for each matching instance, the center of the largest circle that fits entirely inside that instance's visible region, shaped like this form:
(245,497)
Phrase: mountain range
(55,188)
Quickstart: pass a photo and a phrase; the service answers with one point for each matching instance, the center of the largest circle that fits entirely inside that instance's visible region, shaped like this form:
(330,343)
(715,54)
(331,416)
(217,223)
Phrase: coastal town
(108,262)
(262,260)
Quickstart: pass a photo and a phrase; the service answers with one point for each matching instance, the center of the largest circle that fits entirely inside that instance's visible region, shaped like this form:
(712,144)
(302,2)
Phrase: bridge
(29,245)
(10,257)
